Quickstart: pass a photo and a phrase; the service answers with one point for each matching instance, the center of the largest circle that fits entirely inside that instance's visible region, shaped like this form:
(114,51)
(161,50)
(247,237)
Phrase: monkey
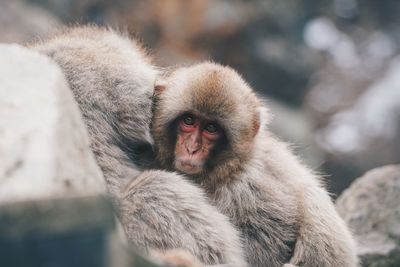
(210,125)
(112,79)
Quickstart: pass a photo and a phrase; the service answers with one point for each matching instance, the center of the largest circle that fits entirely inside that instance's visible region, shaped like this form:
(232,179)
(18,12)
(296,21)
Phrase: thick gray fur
(112,80)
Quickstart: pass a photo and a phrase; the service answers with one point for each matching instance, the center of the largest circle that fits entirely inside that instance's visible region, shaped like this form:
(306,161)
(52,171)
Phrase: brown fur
(281,208)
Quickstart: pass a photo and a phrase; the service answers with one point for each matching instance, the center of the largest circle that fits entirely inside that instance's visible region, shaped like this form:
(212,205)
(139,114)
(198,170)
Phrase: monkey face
(218,136)
(196,137)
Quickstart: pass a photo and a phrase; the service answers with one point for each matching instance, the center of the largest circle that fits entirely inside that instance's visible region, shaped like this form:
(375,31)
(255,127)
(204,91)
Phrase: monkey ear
(261,119)
(256,124)
(159,87)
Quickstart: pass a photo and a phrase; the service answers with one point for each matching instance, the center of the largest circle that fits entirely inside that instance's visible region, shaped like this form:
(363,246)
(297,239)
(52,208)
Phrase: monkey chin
(188,167)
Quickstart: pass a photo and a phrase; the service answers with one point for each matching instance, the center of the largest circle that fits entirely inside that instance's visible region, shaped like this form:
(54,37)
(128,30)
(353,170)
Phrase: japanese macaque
(209,124)
(112,80)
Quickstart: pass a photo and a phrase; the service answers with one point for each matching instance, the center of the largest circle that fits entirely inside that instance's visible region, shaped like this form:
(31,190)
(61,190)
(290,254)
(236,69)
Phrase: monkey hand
(177,258)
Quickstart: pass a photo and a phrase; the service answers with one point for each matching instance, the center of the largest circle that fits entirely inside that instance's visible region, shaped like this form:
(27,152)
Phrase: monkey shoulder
(99,56)
(111,78)
(280,163)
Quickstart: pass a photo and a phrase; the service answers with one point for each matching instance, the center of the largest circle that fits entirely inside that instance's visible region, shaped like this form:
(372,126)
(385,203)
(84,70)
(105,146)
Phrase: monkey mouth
(188,167)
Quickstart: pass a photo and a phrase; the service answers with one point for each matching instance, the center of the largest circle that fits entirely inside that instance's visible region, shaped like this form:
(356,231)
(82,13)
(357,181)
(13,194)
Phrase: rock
(371,207)
(44,146)
(53,208)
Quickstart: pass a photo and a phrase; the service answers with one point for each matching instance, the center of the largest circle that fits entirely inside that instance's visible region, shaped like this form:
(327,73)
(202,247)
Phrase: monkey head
(205,120)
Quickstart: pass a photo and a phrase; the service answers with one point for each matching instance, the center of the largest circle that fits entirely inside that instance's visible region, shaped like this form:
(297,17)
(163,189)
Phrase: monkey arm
(324,239)
(160,210)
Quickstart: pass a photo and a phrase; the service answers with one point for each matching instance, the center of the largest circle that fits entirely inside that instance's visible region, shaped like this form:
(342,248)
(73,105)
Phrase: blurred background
(329,69)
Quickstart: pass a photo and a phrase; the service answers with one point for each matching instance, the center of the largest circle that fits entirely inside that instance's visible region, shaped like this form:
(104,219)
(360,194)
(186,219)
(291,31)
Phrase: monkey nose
(192,150)
(194,144)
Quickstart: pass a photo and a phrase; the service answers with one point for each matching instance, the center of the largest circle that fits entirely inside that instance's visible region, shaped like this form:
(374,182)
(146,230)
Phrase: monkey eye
(211,128)
(188,119)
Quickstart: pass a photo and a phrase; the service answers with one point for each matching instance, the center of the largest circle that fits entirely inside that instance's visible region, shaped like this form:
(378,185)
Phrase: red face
(196,137)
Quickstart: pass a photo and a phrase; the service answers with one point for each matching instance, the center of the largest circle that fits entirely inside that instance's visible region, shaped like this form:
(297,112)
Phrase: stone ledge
(44,146)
